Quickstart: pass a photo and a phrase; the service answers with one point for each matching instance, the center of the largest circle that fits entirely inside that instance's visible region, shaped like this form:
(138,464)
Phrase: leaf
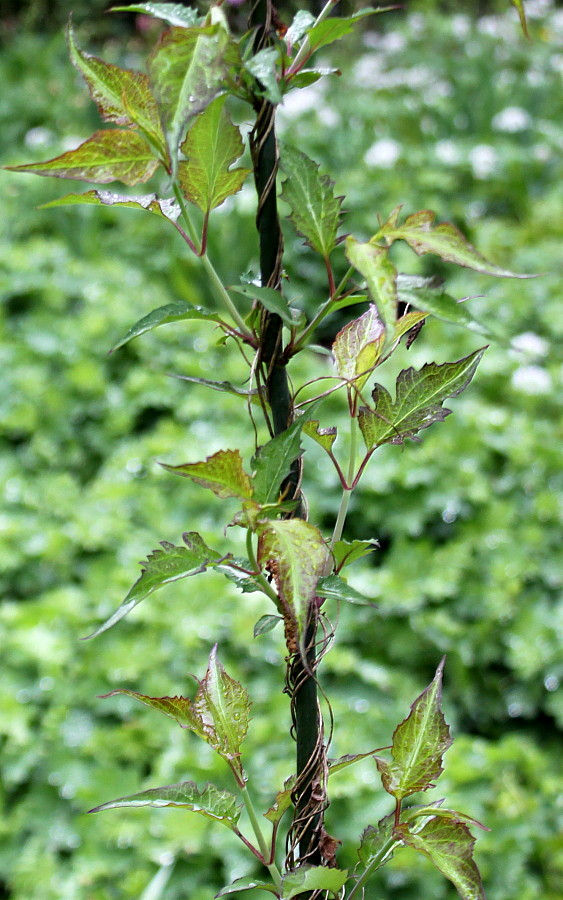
(331,587)
(295,553)
(265,624)
(418,403)
(444,240)
(187,70)
(122,96)
(263,67)
(220,806)
(222,473)
(231,569)
(443,307)
(223,386)
(315,211)
(519,4)
(115,155)
(178,311)
(419,744)
(374,264)
(306,77)
(336,765)
(374,841)
(282,802)
(299,27)
(313,878)
(345,552)
(167,209)
(162,567)
(406,322)
(173,13)
(272,463)
(449,845)
(323,436)
(212,146)
(358,346)
(246,884)
(442,813)
(272,300)
(330,30)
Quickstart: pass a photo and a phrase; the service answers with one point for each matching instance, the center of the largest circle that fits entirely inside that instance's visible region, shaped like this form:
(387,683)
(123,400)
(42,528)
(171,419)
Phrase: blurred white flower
(512,119)
(38,137)
(383,154)
(531,344)
(299,101)
(447,152)
(542,152)
(483,159)
(461,25)
(532,380)
(328,116)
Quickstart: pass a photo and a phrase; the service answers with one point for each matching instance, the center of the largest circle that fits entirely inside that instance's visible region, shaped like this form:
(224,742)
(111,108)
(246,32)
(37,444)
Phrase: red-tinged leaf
(173,13)
(220,806)
(222,473)
(323,436)
(178,708)
(377,845)
(419,744)
(122,96)
(282,802)
(449,845)
(313,878)
(416,812)
(381,276)
(162,567)
(315,211)
(444,240)
(358,346)
(167,209)
(106,156)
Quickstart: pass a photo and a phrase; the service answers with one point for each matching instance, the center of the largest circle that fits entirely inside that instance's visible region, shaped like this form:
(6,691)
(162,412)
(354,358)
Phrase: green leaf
(122,96)
(162,567)
(167,209)
(444,240)
(265,624)
(333,29)
(323,436)
(449,845)
(301,24)
(178,311)
(223,386)
(418,403)
(272,300)
(336,765)
(313,878)
(315,211)
(220,806)
(519,4)
(263,67)
(173,13)
(106,156)
(187,70)
(374,264)
(406,322)
(306,77)
(212,146)
(442,306)
(272,463)
(294,552)
(419,744)
(222,473)
(358,346)
(374,842)
(345,552)
(246,884)
(282,802)
(331,587)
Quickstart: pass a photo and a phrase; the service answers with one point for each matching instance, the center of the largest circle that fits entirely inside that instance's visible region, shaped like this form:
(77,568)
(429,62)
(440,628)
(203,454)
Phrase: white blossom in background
(483,159)
(447,152)
(512,119)
(298,102)
(461,25)
(38,137)
(532,380)
(383,154)
(328,116)
(542,152)
(537,9)
(367,70)
(531,344)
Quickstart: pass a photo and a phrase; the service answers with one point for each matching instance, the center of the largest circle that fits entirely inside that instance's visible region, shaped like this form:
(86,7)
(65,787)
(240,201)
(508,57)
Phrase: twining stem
(264,849)
(375,863)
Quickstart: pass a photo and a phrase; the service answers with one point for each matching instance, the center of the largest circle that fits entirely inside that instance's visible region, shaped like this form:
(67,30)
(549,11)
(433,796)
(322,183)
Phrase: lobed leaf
(246,884)
(313,878)
(442,812)
(418,402)
(315,211)
(449,845)
(173,13)
(223,708)
(212,146)
(222,473)
(381,276)
(331,587)
(115,155)
(347,552)
(419,744)
(323,436)
(358,346)
(215,804)
(263,66)
(178,311)
(162,567)
(272,300)
(374,841)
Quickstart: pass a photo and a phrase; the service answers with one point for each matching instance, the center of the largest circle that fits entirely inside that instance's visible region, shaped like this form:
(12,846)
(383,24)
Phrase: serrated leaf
(173,13)
(222,473)
(212,146)
(187,70)
(178,311)
(358,346)
(323,436)
(282,802)
(122,96)
(442,812)
(333,29)
(162,567)
(266,624)
(374,841)
(246,884)
(444,240)
(115,155)
(313,878)
(418,402)
(381,276)
(294,552)
(449,845)
(263,67)
(419,744)
(347,552)
(331,587)
(167,209)
(221,806)
(272,300)
(272,463)
(315,211)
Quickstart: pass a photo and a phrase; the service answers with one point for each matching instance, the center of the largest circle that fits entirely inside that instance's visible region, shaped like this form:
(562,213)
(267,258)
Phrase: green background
(467,520)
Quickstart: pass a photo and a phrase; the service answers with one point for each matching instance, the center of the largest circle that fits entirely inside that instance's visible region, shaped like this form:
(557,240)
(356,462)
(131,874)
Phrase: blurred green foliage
(446,113)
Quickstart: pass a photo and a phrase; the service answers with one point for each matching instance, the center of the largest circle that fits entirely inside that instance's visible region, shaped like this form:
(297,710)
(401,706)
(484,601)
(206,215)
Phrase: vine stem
(347,492)
(264,849)
(376,862)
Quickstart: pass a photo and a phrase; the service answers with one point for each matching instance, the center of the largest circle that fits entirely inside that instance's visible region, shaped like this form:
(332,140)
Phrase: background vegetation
(456,114)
